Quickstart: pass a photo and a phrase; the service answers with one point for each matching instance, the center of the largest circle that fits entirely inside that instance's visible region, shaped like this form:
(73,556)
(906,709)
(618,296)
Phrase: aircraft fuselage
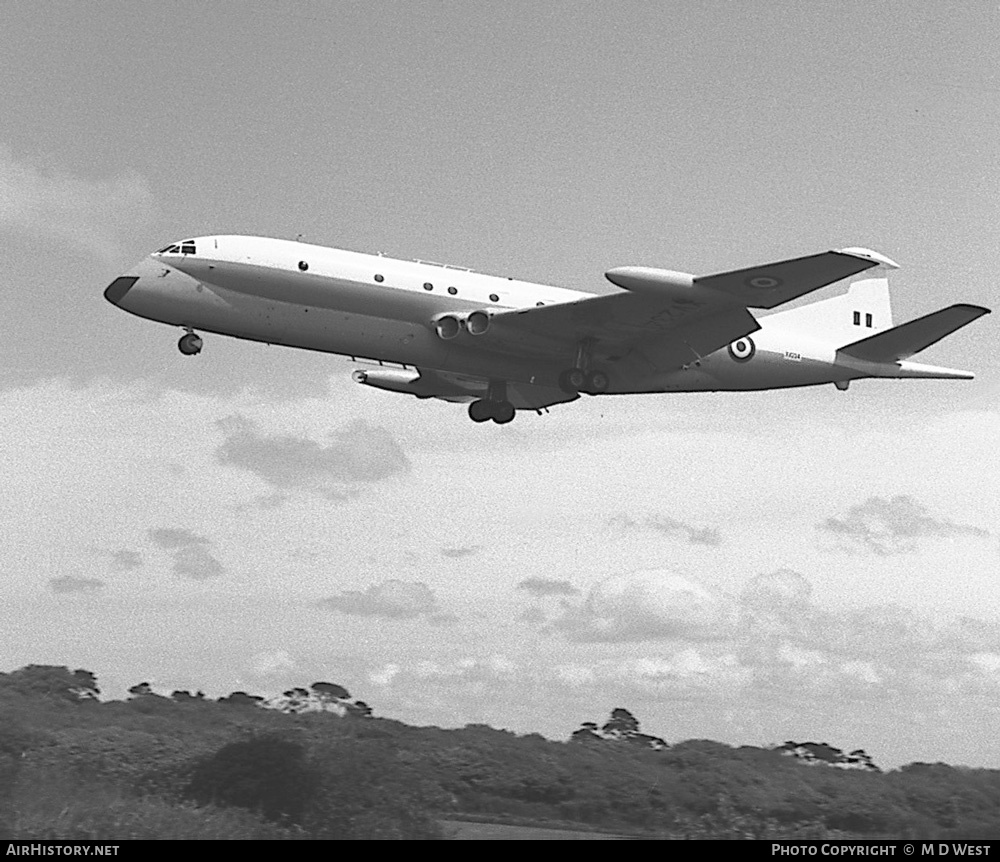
(436,318)
(381,308)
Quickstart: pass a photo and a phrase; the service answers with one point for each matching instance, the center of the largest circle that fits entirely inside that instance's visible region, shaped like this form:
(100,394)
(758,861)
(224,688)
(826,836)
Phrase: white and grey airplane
(505,345)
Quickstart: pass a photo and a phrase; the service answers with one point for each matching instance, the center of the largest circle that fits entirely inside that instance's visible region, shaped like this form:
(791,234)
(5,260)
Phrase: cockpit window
(185,247)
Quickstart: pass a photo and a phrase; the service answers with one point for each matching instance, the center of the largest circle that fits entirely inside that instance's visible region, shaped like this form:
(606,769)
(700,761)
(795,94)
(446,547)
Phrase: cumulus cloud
(89,213)
(648,605)
(358,454)
(496,666)
(393,599)
(385,674)
(191,554)
(271,662)
(891,526)
(541,587)
(668,527)
(457,553)
(69,584)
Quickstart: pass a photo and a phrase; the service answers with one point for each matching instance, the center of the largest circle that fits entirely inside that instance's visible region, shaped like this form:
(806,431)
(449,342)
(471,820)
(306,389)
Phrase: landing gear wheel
(597,382)
(503,412)
(190,344)
(480,411)
(572,380)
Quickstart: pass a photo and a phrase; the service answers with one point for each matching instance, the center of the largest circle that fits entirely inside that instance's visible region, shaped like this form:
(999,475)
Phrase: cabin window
(379,278)
(452,290)
(494,298)
(857,318)
(868,321)
(303,265)
(428,286)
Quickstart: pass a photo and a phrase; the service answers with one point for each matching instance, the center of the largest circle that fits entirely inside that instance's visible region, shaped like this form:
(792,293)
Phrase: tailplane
(904,341)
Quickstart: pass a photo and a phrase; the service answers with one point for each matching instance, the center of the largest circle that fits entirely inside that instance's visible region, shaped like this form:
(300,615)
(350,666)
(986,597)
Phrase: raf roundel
(763,282)
(742,350)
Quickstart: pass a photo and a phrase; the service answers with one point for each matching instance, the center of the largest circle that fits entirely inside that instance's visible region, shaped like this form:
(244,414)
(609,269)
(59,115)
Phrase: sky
(746,567)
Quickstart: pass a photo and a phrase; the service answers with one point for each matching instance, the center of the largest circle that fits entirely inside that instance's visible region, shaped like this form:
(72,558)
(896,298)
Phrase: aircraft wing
(665,319)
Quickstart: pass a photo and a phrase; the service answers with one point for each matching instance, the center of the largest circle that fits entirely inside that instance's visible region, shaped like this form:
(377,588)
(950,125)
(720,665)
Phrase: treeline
(315,763)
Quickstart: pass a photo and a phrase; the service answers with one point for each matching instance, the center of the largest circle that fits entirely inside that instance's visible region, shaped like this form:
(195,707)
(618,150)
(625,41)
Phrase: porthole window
(303,265)
(494,298)
(379,278)
(452,290)
(428,286)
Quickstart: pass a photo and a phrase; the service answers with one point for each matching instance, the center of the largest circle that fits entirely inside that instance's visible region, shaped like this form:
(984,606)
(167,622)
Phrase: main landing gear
(190,344)
(575,380)
(494,406)
(581,377)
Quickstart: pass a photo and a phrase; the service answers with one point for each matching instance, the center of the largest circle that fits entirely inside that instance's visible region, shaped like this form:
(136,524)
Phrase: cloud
(393,599)
(647,605)
(359,454)
(69,584)
(172,538)
(89,213)
(125,560)
(891,526)
(456,553)
(546,587)
(189,551)
(271,662)
(669,527)
(385,674)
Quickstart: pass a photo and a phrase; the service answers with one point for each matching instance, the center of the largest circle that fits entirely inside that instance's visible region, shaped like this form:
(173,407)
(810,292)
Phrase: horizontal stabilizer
(902,341)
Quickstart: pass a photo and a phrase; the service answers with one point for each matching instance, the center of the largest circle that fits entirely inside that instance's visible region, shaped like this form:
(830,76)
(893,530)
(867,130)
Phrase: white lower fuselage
(367,306)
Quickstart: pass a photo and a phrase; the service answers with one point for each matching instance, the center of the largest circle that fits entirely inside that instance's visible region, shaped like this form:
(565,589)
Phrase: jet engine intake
(448,327)
(477,323)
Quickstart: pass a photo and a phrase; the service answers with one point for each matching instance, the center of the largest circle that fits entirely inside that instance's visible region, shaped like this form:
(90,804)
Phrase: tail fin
(897,343)
(864,308)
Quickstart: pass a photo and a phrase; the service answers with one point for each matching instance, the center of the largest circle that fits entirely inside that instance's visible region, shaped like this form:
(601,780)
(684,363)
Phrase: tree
(268,774)
(295,700)
(358,709)
(587,732)
(330,691)
(241,698)
(621,725)
(53,681)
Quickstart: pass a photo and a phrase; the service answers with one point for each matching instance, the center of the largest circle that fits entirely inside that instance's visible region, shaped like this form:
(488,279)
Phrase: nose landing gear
(190,344)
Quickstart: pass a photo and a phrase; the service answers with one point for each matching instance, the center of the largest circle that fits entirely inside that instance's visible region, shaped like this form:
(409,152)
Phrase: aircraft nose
(115,292)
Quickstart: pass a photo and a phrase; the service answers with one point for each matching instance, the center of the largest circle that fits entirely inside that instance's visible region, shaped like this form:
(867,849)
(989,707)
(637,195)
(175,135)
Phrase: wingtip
(868,254)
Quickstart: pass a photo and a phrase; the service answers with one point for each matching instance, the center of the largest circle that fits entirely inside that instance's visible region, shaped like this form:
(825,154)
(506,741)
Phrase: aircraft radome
(437,331)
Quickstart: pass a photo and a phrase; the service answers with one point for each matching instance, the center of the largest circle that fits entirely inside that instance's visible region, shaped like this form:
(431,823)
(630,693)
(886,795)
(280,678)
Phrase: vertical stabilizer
(862,311)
